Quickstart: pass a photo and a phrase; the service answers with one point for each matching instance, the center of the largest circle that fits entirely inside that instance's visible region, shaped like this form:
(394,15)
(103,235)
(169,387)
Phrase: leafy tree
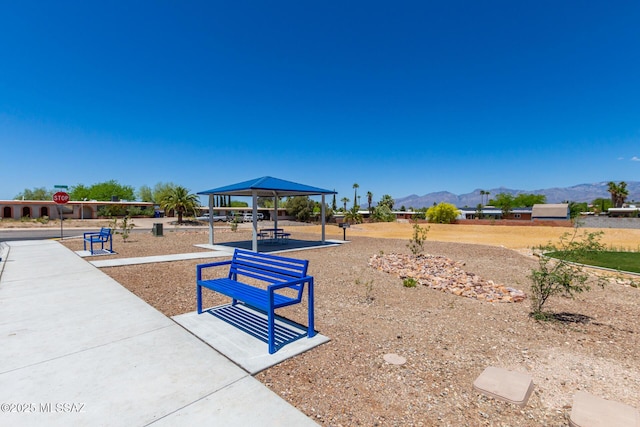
(103,191)
(443,213)
(601,205)
(386,200)
(505,202)
(618,192)
(180,201)
(528,200)
(301,207)
(382,213)
(145,194)
(162,190)
(80,192)
(479,214)
(40,193)
(238,204)
(575,209)
(558,275)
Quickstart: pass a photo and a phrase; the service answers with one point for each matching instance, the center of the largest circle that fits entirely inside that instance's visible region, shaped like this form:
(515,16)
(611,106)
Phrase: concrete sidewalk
(77,348)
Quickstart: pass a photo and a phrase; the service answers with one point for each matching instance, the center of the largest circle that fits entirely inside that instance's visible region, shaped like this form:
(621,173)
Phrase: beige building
(17,209)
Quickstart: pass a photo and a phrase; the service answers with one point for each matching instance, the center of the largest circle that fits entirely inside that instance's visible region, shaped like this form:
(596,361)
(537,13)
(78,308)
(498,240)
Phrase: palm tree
(482,193)
(345,200)
(369,199)
(179,200)
(355,193)
(618,192)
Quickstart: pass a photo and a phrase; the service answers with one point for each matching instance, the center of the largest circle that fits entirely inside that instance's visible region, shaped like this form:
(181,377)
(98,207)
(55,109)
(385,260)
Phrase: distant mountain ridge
(577,193)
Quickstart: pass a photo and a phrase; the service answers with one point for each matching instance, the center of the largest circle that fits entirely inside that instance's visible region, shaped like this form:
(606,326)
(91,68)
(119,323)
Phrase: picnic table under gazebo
(265,187)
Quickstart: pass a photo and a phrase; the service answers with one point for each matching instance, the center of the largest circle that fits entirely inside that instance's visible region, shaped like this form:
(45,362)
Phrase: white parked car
(249,217)
(205,217)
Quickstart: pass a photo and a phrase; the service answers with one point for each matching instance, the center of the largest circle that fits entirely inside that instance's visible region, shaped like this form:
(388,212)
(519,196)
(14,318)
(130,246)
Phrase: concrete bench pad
(593,411)
(509,386)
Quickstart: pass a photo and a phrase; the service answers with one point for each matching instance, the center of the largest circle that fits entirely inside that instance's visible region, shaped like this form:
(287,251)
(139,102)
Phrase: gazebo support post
(275,216)
(254,196)
(211,219)
(323,218)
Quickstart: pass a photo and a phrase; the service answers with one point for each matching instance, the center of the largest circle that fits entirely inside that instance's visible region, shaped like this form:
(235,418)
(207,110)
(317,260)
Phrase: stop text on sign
(61,197)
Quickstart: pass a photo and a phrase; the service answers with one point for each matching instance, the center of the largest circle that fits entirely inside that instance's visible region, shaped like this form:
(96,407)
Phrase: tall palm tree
(369,199)
(345,200)
(482,193)
(355,194)
(179,200)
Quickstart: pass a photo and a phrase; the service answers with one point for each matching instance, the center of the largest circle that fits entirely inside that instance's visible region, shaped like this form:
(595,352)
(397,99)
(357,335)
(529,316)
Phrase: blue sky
(400,97)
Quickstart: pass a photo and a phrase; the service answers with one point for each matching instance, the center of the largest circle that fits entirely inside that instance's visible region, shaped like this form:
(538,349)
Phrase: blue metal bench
(103,236)
(276,273)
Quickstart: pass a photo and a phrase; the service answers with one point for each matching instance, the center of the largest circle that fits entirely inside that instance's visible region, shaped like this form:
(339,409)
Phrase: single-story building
(490,212)
(83,209)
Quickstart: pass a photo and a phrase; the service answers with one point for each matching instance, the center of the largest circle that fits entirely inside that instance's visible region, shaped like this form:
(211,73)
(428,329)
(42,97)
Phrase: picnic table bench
(284,278)
(273,235)
(103,236)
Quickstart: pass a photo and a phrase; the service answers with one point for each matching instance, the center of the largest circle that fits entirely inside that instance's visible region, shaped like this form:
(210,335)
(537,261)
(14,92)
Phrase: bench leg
(271,332)
(271,324)
(311,330)
(199,298)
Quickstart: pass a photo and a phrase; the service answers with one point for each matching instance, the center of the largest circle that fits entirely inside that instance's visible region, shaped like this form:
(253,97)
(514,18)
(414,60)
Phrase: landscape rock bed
(441,273)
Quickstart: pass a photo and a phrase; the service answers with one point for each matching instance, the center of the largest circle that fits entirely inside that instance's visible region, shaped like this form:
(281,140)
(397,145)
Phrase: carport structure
(265,187)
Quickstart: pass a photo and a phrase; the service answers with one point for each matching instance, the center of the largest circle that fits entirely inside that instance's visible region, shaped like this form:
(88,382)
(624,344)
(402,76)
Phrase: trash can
(157,229)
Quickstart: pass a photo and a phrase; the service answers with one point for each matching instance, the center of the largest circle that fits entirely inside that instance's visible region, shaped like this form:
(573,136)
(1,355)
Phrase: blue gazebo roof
(267,186)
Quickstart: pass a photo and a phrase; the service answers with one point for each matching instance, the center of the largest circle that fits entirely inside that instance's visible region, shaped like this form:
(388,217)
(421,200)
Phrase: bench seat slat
(253,296)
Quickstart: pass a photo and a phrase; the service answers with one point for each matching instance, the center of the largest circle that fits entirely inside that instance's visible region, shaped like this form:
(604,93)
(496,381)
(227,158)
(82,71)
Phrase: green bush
(443,213)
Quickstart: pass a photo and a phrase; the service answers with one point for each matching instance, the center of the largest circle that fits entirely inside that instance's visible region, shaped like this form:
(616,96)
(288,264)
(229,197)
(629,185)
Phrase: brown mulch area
(447,340)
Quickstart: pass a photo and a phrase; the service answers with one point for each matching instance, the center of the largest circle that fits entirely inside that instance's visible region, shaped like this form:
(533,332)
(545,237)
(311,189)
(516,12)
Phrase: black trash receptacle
(157,229)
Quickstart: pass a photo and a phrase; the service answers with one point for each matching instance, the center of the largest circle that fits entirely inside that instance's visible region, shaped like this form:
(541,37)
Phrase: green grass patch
(623,261)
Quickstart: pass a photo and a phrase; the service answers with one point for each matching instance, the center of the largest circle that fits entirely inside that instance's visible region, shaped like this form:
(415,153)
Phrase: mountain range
(577,193)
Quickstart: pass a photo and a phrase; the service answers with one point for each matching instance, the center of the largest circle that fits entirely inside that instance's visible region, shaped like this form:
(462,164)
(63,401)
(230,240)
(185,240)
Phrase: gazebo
(265,187)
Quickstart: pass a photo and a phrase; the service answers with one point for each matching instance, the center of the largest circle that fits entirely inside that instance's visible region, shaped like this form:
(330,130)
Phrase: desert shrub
(559,275)
(416,244)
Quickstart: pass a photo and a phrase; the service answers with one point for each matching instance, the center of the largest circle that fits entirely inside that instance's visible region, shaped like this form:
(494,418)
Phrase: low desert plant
(409,282)
(559,275)
(368,290)
(416,244)
(123,227)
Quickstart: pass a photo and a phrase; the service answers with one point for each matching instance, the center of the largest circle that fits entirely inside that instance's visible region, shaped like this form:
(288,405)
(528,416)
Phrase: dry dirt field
(447,340)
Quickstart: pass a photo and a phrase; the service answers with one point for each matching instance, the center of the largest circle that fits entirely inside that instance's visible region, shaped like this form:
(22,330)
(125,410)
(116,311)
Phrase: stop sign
(61,198)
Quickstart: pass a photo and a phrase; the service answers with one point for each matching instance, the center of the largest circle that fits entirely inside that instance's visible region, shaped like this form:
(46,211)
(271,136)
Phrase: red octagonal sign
(61,198)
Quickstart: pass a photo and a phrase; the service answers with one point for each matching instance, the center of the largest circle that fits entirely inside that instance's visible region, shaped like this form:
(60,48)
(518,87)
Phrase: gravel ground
(447,340)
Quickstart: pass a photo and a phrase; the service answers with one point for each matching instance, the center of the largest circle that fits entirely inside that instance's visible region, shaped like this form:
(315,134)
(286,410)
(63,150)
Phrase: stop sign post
(61,198)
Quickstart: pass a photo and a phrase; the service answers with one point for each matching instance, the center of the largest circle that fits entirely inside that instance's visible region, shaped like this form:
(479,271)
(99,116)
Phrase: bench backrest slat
(268,268)
(104,231)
